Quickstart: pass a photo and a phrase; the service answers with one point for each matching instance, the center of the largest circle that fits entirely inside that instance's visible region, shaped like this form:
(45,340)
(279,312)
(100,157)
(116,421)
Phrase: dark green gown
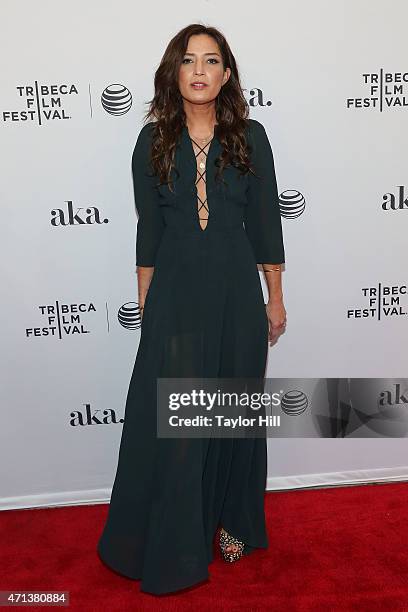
(204,316)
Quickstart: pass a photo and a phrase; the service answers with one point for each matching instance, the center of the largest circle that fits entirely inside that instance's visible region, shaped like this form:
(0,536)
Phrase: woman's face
(202,63)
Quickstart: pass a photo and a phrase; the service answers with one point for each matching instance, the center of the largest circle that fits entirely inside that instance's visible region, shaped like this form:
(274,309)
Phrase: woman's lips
(198,85)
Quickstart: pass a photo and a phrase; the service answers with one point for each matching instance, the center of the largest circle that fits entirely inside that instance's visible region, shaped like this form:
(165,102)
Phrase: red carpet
(343,548)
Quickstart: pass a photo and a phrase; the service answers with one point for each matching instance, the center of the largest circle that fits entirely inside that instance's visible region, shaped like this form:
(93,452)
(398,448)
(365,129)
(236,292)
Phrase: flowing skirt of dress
(204,316)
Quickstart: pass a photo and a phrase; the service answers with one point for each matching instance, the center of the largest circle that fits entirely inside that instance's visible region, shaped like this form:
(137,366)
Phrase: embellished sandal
(227,540)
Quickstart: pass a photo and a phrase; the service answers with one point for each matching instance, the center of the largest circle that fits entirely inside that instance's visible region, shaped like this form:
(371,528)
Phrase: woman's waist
(211,229)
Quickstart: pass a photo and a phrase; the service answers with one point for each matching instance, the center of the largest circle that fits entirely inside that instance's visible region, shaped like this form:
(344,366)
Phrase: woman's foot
(231,548)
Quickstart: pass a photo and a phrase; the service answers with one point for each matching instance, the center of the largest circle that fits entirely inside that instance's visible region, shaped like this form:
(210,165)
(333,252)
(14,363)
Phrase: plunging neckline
(201,175)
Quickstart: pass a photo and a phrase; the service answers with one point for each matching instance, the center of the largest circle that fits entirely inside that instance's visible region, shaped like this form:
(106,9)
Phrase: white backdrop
(329,82)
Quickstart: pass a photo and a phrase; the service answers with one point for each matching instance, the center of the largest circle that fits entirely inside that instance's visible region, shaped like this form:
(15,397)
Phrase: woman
(206,195)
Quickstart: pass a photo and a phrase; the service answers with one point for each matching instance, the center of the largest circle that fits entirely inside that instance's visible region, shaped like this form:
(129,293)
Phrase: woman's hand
(276,314)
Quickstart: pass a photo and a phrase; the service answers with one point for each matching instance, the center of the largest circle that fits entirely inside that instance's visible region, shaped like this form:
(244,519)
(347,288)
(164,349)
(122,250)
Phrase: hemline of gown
(197,582)
(144,587)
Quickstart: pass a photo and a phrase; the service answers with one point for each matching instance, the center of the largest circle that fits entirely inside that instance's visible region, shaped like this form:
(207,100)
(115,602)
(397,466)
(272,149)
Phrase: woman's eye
(211,59)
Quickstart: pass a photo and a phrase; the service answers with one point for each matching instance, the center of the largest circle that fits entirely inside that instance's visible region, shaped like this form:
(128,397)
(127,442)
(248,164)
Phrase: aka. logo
(383,90)
(94,417)
(395,398)
(291,203)
(392,201)
(116,99)
(256,97)
(81,216)
(380,405)
(129,315)
(294,402)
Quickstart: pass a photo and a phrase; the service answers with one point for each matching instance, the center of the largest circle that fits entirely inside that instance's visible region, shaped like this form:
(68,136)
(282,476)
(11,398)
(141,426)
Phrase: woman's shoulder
(257,136)
(146,130)
(255,127)
(144,138)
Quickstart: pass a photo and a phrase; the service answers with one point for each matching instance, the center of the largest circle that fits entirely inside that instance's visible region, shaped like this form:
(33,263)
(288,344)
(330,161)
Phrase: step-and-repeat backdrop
(329,81)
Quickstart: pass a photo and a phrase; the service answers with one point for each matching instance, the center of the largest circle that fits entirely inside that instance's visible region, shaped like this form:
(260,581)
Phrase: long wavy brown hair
(167,111)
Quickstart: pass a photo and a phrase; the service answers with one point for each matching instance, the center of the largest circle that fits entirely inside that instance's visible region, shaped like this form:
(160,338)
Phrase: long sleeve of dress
(262,214)
(150,225)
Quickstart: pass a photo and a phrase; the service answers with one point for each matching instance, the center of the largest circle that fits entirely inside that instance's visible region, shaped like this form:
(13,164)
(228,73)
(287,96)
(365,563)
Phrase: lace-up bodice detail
(201,154)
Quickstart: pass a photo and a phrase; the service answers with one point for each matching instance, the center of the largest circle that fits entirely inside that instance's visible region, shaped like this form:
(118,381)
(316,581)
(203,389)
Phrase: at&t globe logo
(116,99)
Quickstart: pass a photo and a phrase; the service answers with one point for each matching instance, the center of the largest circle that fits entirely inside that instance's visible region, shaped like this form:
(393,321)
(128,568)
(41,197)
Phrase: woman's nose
(198,69)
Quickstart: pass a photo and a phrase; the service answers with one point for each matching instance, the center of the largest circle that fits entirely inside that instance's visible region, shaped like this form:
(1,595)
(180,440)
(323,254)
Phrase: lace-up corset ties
(201,154)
